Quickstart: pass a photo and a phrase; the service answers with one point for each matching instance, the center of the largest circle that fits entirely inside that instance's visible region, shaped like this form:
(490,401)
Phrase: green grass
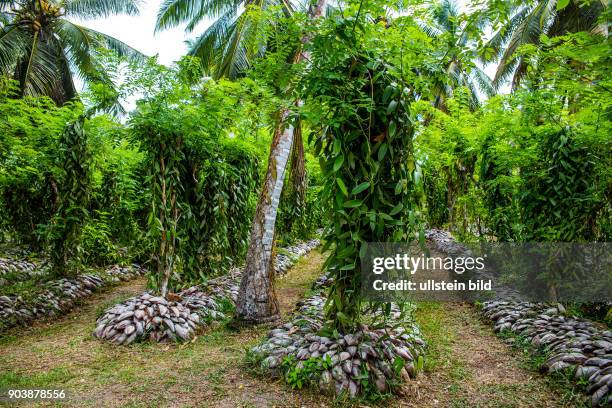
(532,358)
(466,359)
(205,371)
(430,317)
(39,380)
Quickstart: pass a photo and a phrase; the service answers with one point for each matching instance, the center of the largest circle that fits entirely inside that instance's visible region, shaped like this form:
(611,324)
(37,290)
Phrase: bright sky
(138,32)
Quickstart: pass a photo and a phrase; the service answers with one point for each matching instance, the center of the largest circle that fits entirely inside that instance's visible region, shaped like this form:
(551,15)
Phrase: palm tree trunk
(257,302)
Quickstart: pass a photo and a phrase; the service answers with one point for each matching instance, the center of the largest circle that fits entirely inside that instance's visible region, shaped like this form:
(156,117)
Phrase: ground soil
(467,365)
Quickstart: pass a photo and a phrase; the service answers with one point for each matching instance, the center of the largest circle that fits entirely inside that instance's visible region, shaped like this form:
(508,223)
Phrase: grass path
(466,365)
(209,372)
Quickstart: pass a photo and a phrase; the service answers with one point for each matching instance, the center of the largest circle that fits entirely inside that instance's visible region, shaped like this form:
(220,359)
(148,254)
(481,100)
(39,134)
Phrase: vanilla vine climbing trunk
(257,302)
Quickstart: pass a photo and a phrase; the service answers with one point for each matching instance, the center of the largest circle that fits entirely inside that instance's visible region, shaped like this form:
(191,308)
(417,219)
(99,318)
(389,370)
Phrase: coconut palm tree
(530,20)
(226,47)
(445,26)
(41,48)
(257,302)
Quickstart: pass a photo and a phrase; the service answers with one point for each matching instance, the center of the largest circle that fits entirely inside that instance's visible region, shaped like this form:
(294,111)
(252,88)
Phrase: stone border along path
(19,269)
(59,296)
(176,319)
(380,358)
(571,343)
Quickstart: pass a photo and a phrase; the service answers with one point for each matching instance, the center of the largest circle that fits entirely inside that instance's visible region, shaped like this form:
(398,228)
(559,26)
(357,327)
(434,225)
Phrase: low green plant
(306,372)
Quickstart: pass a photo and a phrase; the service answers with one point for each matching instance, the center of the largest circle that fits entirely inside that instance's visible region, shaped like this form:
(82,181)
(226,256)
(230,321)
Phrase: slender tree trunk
(257,302)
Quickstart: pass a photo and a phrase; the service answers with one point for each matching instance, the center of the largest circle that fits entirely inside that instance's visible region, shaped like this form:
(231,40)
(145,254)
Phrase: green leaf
(392,128)
(561,4)
(361,187)
(397,209)
(384,216)
(352,203)
(336,148)
(342,186)
(389,90)
(382,151)
(362,251)
(398,187)
(338,163)
(342,317)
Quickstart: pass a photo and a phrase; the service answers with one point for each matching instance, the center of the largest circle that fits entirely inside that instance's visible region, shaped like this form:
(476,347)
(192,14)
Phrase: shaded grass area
(209,371)
(468,366)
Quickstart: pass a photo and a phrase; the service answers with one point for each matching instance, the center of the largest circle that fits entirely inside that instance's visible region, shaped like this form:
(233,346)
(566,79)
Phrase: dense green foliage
(363,89)
(30,130)
(41,45)
(403,131)
(533,165)
(54,176)
(177,184)
(73,160)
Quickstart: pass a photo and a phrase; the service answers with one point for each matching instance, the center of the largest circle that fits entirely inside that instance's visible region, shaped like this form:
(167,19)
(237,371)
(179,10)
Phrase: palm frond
(430,30)
(500,38)
(485,84)
(529,23)
(519,73)
(206,46)
(195,20)
(233,57)
(548,14)
(37,73)
(113,44)
(174,12)
(504,72)
(579,16)
(7,4)
(245,40)
(474,99)
(445,15)
(42,50)
(527,32)
(79,46)
(100,8)
(5,18)
(13,45)
(67,83)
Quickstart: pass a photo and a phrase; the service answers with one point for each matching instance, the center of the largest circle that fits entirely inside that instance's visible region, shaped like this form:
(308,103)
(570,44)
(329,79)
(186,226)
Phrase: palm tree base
(239,322)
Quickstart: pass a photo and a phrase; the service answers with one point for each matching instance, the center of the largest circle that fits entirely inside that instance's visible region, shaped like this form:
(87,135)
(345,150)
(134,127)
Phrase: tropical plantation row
(288,125)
